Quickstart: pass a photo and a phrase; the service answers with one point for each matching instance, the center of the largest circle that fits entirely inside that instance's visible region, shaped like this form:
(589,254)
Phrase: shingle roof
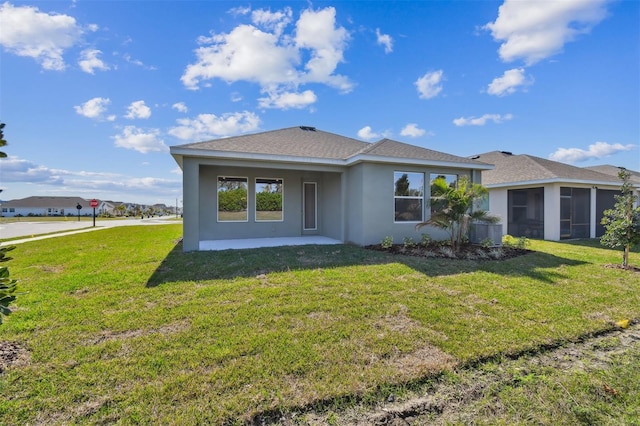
(395,149)
(293,141)
(36,202)
(308,142)
(613,171)
(523,168)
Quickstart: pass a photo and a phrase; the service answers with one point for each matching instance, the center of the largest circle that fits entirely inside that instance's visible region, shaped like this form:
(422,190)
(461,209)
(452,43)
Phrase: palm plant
(453,208)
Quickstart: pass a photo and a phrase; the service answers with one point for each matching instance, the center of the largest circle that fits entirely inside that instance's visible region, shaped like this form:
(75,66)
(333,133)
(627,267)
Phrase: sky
(93,93)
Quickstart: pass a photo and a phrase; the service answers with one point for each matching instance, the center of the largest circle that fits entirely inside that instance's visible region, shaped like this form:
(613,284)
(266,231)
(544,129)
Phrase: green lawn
(123,327)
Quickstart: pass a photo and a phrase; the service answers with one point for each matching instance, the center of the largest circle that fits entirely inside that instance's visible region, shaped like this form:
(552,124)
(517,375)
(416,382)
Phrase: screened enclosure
(575,212)
(526,212)
(605,200)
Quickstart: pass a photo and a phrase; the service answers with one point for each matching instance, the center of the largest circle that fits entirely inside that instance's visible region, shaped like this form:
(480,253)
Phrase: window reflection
(232,199)
(269,199)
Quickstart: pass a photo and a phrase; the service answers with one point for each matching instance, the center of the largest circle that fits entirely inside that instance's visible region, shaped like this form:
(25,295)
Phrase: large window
(408,196)
(437,183)
(232,199)
(269,200)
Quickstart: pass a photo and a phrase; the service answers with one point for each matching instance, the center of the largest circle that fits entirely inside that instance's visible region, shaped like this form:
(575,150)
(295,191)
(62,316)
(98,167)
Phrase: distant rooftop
(522,168)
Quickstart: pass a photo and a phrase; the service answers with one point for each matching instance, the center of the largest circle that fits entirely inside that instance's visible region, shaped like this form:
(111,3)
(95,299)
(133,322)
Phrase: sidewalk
(32,231)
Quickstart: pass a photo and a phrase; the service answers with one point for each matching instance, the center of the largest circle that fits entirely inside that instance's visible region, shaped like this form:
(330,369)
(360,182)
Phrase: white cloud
(317,31)
(127,57)
(43,180)
(138,109)
(15,169)
(44,37)
(367,134)
(274,21)
(510,81)
(481,121)
(385,40)
(263,53)
(246,53)
(287,100)
(210,126)
(95,108)
(240,10)
(412,130)
(180,107)
(596,151)
(430,84)
(89,61)
(533,30)
(139,140)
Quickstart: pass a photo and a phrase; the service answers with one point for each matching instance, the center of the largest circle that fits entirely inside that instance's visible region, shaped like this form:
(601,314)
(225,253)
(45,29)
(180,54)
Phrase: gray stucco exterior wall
(370,209)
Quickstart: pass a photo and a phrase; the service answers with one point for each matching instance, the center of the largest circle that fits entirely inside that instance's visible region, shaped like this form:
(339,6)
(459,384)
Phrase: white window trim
(304,204)
(218,200)
(255,197)
(422,213)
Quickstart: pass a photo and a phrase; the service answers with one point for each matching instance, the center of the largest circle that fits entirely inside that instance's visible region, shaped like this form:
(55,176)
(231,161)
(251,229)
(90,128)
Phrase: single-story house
(540,198)
(302,181)
(46,206)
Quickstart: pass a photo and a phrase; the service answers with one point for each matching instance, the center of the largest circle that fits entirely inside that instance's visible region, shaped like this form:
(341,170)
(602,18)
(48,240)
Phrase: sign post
(94,204)
(79,207)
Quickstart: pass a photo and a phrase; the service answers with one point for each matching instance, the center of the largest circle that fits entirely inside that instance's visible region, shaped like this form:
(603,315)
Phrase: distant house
(608,169)
(539,198)
(46,206)
(301,181)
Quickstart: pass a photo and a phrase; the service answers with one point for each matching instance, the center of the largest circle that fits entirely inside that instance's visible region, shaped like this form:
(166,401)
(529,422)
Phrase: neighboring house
(46,206)
(106,207)
(302,181)
(608,169)
(539,198)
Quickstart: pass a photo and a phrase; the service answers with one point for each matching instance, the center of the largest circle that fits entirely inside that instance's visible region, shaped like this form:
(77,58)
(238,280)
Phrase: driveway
(34,230)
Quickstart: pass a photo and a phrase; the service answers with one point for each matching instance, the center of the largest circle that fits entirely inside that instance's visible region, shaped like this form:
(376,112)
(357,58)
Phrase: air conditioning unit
(483,231)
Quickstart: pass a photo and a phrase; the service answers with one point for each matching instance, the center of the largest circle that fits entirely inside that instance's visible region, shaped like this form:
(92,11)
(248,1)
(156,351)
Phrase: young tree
(622,223)
(2,141)
(7,285)
(453,208)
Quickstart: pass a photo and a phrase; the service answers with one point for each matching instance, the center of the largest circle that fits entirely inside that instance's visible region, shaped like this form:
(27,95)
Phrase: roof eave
(178,154)
(548,181)
(417,162)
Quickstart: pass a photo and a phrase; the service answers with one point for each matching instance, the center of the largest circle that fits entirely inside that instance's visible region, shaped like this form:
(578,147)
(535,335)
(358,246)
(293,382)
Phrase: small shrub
(508,240)
(387,242)
(408,242)
(447,251)
(487,242)
(496,253)
(425,239)
(522,242)
(481,254)
(519,243)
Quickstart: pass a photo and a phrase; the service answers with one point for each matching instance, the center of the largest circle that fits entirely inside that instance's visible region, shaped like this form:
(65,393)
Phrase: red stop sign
(94,203)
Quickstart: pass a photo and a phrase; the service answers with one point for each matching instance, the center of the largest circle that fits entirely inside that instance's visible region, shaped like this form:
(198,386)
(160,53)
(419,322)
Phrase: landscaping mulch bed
(620,266)
(465,252)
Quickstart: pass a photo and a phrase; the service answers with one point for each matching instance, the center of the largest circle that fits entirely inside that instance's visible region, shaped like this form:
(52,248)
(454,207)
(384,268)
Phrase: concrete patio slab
(247,243)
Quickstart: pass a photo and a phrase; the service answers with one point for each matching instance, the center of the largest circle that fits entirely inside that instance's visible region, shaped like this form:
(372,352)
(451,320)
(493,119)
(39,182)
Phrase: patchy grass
(121,326)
